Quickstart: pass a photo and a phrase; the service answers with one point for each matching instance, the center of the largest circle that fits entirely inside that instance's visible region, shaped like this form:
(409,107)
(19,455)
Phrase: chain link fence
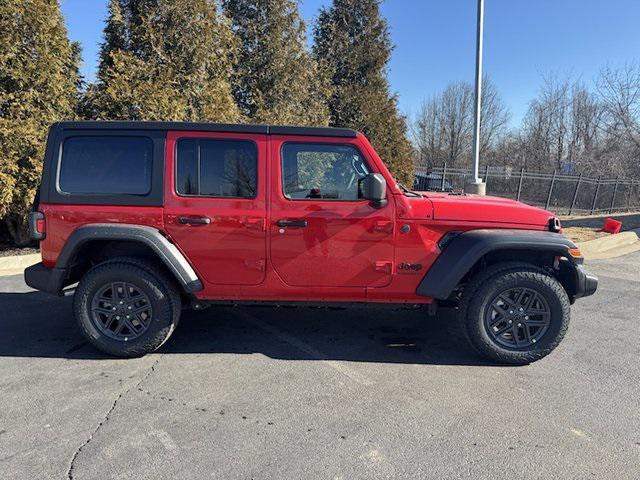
(561,193)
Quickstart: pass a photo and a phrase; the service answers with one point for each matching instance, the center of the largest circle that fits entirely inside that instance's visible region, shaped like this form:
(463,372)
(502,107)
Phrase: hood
(479,208)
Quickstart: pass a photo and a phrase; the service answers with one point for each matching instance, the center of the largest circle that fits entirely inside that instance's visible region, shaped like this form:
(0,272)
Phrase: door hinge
(384,266)
(254,223)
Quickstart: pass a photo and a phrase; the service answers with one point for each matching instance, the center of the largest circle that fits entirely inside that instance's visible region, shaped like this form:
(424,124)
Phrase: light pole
(477,185)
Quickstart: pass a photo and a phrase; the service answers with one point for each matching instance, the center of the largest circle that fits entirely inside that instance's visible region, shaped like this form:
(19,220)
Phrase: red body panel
(464,208)
(349,251)
(62,220)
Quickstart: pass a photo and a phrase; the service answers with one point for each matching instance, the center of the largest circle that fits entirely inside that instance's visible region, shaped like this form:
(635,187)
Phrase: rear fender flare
(165,251)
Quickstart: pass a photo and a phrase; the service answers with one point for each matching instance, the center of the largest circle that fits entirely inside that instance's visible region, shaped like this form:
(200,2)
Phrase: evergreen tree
(164,60)
(276,79)
(352,40)
(39,83)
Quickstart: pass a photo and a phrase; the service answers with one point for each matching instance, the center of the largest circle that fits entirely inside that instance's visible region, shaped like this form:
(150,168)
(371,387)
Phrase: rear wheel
(515,314)
(127,307)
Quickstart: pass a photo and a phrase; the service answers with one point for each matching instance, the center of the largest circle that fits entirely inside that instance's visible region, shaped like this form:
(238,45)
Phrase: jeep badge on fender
(409,267)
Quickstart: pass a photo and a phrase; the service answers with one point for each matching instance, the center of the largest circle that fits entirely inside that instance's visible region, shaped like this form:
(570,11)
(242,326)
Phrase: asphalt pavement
(302,393)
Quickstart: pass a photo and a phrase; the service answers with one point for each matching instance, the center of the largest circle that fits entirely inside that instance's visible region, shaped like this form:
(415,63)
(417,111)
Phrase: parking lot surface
(302,393)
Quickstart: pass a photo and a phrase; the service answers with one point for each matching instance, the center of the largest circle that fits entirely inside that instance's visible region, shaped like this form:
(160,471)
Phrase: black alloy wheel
(127,306)
(121,310)
(517,318)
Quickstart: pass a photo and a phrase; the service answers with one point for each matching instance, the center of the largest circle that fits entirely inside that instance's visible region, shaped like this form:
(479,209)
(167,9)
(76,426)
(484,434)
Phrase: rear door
(215,204)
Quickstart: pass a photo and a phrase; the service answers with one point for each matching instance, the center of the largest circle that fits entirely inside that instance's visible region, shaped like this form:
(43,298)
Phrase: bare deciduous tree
(619,94)
(568,127)
(572,129)
(443,128)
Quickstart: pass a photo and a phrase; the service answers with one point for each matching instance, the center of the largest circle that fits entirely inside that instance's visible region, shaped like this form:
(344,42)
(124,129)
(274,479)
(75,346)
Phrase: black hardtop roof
(208,127)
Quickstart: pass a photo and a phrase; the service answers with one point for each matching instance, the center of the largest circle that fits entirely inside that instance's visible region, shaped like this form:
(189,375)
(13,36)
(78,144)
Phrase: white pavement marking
(306,348)
(579,433)
(374,456)
(165,440)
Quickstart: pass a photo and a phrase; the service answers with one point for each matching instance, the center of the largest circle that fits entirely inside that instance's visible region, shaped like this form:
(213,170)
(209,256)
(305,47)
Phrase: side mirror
(374,188)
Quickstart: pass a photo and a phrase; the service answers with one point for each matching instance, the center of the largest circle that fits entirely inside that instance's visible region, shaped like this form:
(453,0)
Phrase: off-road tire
(485,286)
(159,288)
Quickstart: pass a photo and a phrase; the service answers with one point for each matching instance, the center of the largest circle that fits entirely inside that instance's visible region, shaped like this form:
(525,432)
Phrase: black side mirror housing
(374,189)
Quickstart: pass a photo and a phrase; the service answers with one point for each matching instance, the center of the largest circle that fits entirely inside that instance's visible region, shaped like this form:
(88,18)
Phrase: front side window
(322,171)
(216,168)
(106,165)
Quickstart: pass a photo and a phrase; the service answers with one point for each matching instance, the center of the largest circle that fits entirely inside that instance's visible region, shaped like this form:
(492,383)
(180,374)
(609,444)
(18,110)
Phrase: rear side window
(106,165)
(216,168)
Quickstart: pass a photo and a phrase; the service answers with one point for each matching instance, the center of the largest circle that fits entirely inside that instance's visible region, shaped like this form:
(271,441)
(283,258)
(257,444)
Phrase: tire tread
(154,277)
(509,273)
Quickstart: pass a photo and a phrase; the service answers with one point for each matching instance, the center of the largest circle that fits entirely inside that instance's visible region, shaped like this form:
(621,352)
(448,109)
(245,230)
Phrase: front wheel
(127,307)
(516,315)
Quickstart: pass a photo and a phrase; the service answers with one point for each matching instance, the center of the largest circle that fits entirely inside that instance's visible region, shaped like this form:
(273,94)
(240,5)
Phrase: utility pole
(477,185)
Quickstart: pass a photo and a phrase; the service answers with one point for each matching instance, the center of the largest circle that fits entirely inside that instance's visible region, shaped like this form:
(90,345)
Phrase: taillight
(37,225)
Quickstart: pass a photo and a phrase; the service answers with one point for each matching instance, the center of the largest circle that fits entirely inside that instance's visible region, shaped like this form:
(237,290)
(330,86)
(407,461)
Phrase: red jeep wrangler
(148,217)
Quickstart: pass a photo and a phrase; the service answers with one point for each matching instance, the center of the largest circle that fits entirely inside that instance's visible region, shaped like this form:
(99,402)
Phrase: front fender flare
(462,252)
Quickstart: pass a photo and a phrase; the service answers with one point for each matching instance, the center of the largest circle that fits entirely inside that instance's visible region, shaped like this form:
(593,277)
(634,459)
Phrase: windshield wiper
(409,193)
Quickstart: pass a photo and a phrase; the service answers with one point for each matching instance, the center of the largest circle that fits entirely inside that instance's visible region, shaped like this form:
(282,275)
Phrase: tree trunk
(19,231)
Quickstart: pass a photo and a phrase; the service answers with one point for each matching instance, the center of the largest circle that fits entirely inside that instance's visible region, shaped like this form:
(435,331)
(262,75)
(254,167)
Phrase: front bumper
(586,282)
(50,280)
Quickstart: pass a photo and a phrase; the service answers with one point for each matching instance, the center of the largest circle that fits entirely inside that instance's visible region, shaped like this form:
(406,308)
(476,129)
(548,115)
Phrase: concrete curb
(611,246)
(17,263)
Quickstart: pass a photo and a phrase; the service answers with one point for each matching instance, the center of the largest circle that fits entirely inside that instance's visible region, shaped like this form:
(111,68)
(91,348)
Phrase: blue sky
(435,41)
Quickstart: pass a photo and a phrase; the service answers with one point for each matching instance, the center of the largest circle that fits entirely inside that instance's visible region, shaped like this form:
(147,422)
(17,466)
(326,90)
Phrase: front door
(215,204)
(323,234)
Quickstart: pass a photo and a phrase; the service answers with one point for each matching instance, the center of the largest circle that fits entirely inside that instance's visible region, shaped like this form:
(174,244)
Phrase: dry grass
(582,234)
(630,221)
(582,229)
(8,250)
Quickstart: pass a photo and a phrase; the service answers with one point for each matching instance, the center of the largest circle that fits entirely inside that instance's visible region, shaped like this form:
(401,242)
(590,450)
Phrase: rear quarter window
(103,165)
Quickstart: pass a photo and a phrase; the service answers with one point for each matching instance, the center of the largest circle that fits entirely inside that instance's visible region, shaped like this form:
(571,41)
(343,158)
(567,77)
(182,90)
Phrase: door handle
(194,220)
(383,226)
(292,223)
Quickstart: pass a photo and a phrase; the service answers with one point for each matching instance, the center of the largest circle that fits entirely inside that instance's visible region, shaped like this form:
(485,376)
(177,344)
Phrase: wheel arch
(95,243)
(464,254)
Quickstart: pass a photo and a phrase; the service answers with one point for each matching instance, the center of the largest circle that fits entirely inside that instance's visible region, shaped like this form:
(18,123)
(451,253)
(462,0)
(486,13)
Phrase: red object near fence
(611,225)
